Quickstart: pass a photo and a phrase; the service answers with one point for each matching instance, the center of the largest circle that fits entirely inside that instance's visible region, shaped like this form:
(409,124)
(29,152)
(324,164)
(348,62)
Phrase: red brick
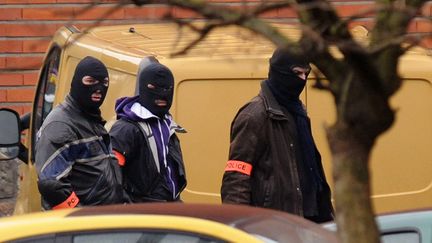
(185,13)
(9,79)
(286,13)
(424,26)
(159,12)
(270,14)
(11,46)
(28,29)
(10,13)
(231,1)
(31,78)
(97,13)
(2,62)
(20,95)
(81,13)
(412,27)
(87,1)
(146,12)
(48,13)
(35,45)
(26,109)
(26,1)
(354,9)
(137,13)
(2,95)
(26,62)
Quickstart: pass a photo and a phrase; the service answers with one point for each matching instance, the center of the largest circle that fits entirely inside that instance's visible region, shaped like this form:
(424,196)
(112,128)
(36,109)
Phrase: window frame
(53,59)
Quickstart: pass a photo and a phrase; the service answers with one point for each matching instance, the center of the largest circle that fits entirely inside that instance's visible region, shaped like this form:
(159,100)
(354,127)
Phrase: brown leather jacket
(263,138)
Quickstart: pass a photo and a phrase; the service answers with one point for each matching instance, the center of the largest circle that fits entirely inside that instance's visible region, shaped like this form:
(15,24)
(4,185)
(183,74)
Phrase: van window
(45,92)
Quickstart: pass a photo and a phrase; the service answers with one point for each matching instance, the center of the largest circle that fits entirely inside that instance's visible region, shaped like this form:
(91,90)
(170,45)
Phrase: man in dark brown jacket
(273,161)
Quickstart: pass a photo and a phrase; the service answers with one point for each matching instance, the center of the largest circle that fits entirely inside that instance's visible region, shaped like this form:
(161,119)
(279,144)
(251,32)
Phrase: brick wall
(27,25)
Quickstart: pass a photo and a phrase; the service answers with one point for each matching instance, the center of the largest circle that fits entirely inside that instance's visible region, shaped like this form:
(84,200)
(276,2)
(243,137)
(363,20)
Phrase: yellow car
(162,222)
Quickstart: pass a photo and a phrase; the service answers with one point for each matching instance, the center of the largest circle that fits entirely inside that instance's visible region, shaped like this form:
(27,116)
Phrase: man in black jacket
(74,158)
(273,161)
(145,141)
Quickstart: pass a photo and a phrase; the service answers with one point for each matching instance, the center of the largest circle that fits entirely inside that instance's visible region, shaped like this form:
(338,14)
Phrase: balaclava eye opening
(89,66)
(161,78)
(284,83)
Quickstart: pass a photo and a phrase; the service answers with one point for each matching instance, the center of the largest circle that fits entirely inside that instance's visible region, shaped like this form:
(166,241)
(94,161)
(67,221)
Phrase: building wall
(26,27)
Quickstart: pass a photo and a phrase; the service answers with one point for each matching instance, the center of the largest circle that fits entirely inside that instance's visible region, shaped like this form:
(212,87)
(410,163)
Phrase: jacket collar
(271,105)
(71,103)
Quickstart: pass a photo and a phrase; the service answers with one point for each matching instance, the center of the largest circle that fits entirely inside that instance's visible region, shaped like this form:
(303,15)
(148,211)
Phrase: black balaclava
(161,77)
(283,82)
(89,66)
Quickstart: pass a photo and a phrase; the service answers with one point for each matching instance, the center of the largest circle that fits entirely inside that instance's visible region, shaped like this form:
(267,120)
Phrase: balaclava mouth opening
(161,79)
(89,66)
(284,83)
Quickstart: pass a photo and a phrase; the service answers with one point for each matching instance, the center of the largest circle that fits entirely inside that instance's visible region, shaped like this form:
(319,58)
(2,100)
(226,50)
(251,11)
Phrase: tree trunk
(354,213)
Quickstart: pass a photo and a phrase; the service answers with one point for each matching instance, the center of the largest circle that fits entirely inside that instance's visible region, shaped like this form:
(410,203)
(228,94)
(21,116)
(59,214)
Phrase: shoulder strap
(146,130)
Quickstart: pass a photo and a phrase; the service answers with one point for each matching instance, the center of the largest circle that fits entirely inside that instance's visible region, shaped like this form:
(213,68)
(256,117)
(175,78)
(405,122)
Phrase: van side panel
(402,158)
(401,161)
(205,108)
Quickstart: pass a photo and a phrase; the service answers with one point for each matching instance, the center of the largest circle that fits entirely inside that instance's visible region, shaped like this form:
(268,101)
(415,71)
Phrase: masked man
(144,139)
(273,161)
(74,157)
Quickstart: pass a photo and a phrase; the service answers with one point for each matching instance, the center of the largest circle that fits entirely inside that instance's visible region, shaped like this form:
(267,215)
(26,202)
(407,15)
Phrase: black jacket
(264,135)
(74,159)
(141,179)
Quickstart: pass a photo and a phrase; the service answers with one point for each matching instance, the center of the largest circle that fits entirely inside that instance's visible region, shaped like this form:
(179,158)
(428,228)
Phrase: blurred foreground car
(403,227)
(162,222)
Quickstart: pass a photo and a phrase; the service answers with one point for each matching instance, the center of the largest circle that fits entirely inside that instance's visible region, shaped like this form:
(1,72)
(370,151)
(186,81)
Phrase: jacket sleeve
(236,183)
(124,137)
(55,156)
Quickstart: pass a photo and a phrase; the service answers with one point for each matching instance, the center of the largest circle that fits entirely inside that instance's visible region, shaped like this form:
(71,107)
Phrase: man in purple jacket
(144,138)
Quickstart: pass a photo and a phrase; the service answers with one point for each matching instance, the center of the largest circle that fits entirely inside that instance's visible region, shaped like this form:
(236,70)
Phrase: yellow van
(214,79)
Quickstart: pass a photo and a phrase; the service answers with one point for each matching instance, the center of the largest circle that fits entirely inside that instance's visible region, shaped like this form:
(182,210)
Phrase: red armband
(121,159)
(239,166)
(70,202)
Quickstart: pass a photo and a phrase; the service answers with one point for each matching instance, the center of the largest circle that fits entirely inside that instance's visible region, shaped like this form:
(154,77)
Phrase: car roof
(257,222)
(226,214)
(250,219)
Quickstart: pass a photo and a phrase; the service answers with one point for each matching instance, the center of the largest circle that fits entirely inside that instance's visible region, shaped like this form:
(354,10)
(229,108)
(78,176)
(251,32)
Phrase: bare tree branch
(203,32)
